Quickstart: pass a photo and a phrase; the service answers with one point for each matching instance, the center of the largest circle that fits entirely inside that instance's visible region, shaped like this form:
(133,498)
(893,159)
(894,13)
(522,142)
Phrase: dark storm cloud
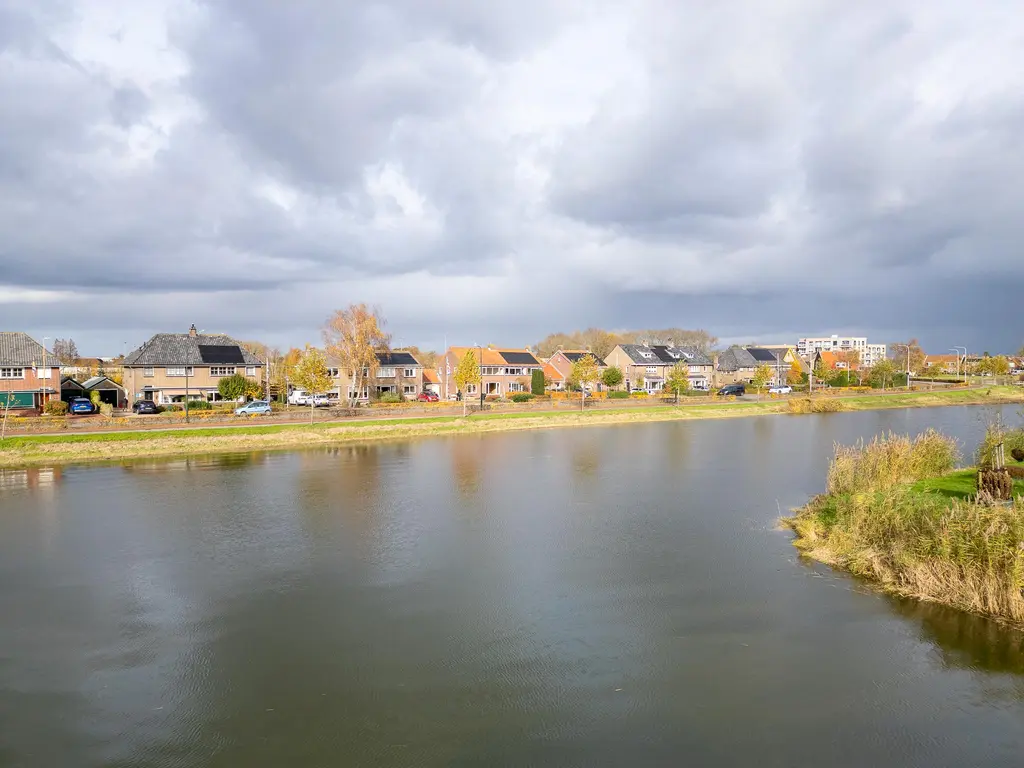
(499,170)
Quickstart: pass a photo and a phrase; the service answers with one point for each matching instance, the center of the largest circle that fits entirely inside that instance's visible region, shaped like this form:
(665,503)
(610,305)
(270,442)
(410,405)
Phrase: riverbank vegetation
(100,446)
(897,512)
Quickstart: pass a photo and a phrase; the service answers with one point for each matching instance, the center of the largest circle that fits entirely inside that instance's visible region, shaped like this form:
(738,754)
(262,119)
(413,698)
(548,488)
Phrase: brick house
(502,371)
(645,367)
(172,366)
(735,366)
(396,373)
(564,359)
(29,373)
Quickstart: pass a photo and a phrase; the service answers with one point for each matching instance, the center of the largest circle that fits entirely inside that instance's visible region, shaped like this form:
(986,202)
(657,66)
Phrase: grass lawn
(100,446)
(961,484)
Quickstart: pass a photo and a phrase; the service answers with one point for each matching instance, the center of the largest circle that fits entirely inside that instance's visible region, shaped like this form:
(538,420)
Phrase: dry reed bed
(871,523)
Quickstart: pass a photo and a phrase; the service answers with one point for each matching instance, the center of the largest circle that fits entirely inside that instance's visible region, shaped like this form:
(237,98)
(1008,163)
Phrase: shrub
(638,395)
(106,409)
(537,382)
(1017,454)
(1015,472)
(55,408)
(391,397)
(198,405)
(618,395)
(521,397)
(995,483)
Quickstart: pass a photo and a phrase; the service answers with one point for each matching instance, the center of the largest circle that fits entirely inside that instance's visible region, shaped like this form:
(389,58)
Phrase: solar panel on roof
(396,358)
(519,358)
(217,354)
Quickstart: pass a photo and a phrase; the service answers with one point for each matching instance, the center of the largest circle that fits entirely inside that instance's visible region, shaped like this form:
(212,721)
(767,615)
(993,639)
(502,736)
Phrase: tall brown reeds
(874,524)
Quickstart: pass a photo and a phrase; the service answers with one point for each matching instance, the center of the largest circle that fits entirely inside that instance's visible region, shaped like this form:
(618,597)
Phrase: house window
(147,371)
(513,371)
(471,389)
(43,373)
(250,370)
(333,373)
(228,370)
(409,389)
(12,373)
(386,373)
(409,373)
(352,393)
(652,370)
(180,371)
(515,386)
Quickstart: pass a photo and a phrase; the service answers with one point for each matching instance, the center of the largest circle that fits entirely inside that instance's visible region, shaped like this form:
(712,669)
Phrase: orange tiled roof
(831,359)
(430,376)
(488,356)
(553,373)
(941,359)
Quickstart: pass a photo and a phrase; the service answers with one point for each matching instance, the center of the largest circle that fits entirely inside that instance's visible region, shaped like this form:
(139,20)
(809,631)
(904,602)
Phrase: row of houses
(172,367)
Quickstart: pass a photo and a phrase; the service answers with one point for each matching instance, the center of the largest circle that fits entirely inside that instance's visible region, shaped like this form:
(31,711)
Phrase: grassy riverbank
(895,512)
(105,446)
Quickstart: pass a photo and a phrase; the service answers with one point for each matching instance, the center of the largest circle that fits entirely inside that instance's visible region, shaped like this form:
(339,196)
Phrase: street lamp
(958,362)
(39,378)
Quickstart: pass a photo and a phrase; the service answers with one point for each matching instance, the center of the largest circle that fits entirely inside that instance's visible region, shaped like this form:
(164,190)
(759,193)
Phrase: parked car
(145,406)
(733,389)
(317,401)
(782,390)
(81,405)
(298,397)
(427,397)
(255,408)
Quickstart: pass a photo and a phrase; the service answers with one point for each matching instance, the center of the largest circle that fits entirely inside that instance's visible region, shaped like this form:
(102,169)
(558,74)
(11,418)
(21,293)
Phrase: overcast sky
(498,170)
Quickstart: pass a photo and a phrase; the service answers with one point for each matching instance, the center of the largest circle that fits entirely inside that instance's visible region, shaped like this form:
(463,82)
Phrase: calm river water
(591,597)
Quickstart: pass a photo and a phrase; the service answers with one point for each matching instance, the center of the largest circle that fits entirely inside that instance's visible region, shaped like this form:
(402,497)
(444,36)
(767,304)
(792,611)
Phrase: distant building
(870,354)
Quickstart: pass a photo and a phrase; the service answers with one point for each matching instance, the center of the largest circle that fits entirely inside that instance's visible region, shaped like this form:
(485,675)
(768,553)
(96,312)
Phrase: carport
(110,391)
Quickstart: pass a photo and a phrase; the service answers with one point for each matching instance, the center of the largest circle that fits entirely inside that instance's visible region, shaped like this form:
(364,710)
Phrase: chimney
(192,331)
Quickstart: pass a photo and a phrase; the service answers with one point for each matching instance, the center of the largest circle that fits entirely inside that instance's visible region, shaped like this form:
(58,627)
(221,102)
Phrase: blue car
(254,408)
(81,405)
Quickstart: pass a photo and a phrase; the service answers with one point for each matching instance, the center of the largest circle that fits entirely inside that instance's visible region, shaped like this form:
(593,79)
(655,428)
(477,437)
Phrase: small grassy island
(899,513)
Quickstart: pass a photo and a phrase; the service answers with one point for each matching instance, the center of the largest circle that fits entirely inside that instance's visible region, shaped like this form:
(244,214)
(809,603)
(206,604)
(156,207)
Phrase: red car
(428,397)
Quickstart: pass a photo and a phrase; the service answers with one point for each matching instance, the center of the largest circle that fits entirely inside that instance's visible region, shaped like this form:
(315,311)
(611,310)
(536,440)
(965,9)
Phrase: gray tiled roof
(17,348)
(663,355)
(736,358)
(182,349)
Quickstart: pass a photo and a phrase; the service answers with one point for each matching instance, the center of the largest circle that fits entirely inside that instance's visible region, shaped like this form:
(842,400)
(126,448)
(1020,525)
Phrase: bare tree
(66,351)
(354,336)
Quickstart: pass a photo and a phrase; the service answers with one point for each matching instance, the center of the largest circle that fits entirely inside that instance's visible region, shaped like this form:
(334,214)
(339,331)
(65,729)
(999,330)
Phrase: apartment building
(870,354)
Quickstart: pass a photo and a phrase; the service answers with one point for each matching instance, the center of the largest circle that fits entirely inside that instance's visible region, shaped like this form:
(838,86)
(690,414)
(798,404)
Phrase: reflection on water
(965,641)
(34,477)
(601,596)
(212,461)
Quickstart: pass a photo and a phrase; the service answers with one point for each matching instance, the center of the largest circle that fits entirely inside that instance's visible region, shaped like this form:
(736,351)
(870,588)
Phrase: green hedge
(521,397)
(618,394)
